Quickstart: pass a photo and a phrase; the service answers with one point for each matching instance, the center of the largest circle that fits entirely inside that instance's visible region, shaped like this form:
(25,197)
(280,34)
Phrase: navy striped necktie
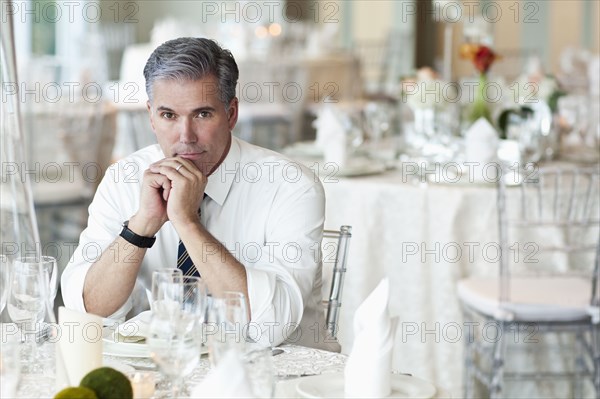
(184,262)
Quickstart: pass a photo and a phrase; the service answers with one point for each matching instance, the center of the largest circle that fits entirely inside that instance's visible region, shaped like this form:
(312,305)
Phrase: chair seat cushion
(531,299)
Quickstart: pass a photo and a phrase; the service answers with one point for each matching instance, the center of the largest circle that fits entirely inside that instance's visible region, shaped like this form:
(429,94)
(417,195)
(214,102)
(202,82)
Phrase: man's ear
(150,115)
(232,113)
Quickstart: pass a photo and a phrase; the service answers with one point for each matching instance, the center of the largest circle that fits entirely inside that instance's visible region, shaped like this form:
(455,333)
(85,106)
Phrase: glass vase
(19,236)
(480,107)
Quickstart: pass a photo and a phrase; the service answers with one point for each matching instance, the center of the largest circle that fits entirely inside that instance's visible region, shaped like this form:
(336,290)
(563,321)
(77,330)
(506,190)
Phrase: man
(250,220)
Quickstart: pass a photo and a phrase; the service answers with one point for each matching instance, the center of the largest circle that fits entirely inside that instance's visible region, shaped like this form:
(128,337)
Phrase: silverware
(277,351)
(284,377)
(143,367)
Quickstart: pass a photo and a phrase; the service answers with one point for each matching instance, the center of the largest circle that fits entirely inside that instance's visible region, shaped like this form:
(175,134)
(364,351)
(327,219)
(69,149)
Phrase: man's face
(190,120)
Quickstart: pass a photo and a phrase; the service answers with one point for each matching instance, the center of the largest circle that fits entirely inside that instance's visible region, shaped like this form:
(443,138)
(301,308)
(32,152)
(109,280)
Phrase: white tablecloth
(295,361)
(424,234)
(411,232)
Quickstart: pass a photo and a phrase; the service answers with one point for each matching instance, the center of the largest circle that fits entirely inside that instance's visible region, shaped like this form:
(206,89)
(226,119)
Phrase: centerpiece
(482,58)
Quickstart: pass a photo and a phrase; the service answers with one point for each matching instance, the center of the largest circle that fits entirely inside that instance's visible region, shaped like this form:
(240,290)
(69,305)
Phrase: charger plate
(331,385)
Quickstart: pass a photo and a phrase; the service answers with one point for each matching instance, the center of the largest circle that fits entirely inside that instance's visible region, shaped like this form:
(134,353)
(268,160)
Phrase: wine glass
(228,320)
(158,278)
(174,337)
(572,111)
(27,301)
(48,264)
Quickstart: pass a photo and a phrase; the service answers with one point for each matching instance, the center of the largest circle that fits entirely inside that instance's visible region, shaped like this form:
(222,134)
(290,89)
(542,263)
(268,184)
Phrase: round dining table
(290,366)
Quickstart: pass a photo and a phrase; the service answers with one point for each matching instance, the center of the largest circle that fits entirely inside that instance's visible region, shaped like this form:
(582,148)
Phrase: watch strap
(135,239)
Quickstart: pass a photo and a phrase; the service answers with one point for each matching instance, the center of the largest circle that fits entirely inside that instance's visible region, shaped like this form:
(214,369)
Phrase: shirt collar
(220,181)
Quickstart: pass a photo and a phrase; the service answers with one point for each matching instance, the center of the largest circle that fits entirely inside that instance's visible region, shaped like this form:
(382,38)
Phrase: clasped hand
(172,189)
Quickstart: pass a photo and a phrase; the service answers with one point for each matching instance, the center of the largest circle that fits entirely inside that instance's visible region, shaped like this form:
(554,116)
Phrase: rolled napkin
(228,380)
(369,366)
(79,346)
(331,136)
(135,329)
(481,142)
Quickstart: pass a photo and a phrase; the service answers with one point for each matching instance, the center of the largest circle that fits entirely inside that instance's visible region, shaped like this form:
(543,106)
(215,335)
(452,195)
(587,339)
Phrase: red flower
(483,59)
(482,56)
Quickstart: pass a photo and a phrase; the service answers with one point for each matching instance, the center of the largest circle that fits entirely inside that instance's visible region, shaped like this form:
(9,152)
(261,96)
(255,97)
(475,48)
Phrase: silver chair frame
(334,301)
(587,332)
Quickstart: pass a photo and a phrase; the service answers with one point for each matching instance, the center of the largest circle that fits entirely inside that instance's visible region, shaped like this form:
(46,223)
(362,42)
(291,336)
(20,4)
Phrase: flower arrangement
(482,58)
(537,85)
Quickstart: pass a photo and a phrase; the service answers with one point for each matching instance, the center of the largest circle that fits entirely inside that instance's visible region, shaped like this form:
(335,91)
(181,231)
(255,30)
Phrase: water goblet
(48,264)
(158,278)
(260,369)
(28,300)
(228,320)
(174,337)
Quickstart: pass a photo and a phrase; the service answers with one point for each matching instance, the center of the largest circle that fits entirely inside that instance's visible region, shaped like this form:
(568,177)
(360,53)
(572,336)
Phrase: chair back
(549,225)
(335,246)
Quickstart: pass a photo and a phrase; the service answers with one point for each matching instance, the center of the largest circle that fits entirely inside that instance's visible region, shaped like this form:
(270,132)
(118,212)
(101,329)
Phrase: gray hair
(190,58)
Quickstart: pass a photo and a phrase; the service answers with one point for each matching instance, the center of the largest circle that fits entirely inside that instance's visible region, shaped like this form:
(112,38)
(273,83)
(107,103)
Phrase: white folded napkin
(228,380)
(369,366)
(481,142)
(79,346)
(331,136)
(135,329)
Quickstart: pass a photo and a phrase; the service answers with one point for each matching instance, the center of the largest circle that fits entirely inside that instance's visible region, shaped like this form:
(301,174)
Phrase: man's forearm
(110,280)
(218,267)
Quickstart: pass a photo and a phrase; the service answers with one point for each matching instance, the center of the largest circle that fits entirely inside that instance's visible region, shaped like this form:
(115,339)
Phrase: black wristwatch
(137,240)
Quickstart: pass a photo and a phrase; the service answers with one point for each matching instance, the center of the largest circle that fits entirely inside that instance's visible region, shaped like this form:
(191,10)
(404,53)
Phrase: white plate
(111,346)
(332,386)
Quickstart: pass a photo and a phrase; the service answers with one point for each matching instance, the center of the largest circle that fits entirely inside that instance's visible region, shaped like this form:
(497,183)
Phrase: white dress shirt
(266,210)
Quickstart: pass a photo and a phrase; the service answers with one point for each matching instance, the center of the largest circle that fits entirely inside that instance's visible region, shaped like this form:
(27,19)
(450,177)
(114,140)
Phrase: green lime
(76,393)
(108,383)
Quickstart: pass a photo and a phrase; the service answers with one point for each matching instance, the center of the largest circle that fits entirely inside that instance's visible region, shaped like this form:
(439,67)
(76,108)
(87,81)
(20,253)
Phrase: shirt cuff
(276,308)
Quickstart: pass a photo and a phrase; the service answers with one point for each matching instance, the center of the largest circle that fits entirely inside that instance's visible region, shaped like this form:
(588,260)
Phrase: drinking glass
(228,320)
(572,110)
(260,370)
(174,337)
(28,294)
(27,303)
(378,118)
(49,265)
(158,278)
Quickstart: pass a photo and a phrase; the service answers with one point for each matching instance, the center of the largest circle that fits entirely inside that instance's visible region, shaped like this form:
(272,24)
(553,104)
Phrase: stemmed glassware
(378,118)
(32,288)
(160,277)
(175,332)
(228,321)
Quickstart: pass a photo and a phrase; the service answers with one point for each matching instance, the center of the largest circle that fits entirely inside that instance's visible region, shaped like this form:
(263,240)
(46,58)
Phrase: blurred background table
(423,232)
